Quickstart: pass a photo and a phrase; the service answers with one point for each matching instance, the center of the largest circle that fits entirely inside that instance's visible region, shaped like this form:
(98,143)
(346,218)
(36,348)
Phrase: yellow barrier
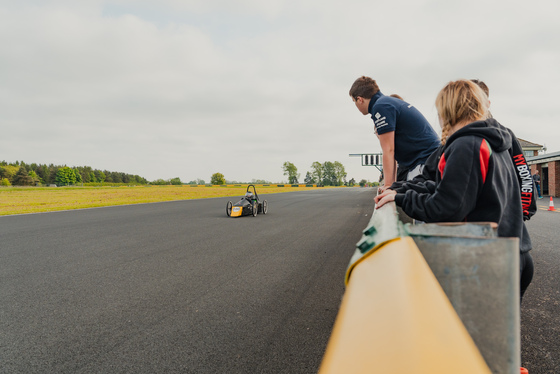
(395,318)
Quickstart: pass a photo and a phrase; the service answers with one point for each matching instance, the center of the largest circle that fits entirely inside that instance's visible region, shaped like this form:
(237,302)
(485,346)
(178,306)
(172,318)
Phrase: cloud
(174,88)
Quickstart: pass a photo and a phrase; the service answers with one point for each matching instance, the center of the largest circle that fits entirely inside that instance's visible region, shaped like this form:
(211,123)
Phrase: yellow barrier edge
(395,318)
(359,257)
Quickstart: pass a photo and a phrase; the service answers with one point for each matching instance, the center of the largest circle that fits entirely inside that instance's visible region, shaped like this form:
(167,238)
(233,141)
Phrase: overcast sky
(186,88)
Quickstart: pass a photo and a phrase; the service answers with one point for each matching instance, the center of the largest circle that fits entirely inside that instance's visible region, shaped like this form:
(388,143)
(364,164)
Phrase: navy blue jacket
(415,139)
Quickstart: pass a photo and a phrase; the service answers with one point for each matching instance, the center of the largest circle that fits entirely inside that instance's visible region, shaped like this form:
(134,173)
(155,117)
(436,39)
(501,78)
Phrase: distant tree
(125,178)
(141,180)
(99,176)
(33,175)
(78,176)
(329,174)
(218,178)
(85,173)
(43,173)
(53,171)
(352,182)
(65,176)
(176,181)
(260,181)
(116,177)
(340,173)
(308,178)
(363,182)
(88,176)
(317,172)
(22,178)
(108,176)
(290,170)
(5,182)
(197,181)
(9,172)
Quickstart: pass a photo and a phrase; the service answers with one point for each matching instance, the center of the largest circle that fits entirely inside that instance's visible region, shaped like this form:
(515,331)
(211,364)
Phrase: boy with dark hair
(406,137)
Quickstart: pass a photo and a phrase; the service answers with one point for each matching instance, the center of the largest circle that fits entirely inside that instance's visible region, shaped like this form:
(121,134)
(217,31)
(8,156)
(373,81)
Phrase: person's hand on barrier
(381,189)
(384,198)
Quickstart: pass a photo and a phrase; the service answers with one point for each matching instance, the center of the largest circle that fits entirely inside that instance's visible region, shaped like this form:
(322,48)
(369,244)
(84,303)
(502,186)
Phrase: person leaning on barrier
(404,133)
(475,177)
(528,197)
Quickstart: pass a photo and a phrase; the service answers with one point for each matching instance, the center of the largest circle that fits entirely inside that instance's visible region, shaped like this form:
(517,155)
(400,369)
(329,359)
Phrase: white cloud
(189,88)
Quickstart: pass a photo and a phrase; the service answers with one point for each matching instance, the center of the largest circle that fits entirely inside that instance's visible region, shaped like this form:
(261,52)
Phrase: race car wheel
(228,208)
(255,208)
(264,207)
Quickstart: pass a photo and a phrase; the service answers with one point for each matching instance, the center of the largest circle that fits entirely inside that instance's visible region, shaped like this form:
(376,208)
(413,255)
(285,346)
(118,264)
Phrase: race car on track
(249,204)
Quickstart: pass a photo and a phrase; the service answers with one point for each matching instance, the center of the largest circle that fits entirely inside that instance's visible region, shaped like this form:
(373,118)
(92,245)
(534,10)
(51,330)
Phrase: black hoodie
(526,186)
(476,181)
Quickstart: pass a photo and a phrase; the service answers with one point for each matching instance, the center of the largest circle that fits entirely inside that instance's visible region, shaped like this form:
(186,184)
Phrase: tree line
(325,174)
(22,174)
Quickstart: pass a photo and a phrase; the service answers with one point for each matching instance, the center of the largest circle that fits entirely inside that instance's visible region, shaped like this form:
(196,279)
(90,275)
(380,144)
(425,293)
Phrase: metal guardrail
(431,298)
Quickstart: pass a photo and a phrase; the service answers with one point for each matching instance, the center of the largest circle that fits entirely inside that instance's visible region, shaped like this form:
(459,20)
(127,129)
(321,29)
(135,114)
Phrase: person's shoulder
(390,101)
(386,104)
(468,141)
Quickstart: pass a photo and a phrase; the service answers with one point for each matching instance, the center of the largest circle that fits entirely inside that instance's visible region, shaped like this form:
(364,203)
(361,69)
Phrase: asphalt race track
(177,287)
(540,311)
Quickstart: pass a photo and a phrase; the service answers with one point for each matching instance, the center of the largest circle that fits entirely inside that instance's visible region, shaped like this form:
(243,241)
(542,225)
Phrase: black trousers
(525,272)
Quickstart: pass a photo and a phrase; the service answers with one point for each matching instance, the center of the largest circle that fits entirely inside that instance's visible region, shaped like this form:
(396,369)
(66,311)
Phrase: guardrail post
(479,273)
(395,317)
(419,294)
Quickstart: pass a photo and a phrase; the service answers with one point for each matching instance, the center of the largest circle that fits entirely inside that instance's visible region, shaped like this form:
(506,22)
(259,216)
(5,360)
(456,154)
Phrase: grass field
(22,200)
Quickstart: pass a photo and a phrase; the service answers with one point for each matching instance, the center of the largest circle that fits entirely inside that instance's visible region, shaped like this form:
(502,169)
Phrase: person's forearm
(387,142)
(389,169)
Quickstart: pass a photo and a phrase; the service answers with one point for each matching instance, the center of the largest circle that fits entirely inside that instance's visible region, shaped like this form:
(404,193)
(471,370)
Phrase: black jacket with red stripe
(476,181)
(526,186)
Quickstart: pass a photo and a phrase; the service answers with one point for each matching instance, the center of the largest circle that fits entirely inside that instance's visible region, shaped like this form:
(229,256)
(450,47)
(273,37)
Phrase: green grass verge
(23,200)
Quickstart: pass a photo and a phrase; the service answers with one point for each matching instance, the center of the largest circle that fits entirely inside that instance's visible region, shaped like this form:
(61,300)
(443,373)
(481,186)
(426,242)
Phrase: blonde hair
(460,101)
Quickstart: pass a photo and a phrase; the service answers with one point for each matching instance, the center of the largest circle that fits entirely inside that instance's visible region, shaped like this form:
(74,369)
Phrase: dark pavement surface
(177,287)
(540,311)
(180,288)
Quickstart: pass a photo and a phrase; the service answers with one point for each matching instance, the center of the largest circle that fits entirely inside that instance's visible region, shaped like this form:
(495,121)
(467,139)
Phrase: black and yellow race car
(248,205)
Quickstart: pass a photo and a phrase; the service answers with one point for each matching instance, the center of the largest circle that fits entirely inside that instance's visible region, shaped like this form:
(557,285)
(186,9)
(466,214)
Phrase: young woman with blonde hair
(475,179)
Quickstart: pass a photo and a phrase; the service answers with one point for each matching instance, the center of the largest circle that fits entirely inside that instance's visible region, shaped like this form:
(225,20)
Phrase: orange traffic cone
(551,204)
(524,371)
